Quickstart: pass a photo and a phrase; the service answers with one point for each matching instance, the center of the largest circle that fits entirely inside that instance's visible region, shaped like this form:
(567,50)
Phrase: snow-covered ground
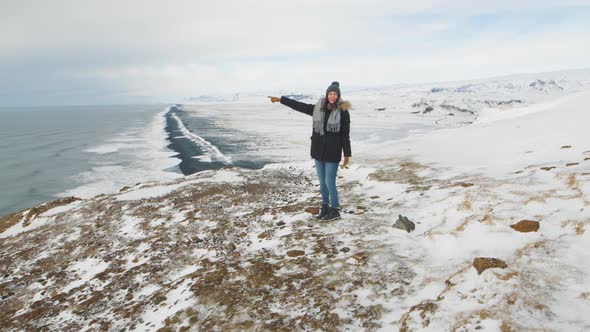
(239,249)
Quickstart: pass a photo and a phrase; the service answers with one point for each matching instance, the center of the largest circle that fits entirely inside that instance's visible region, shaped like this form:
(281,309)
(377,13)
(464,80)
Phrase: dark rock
(452,107)
(566,147)
(525,226)
(381,109)
(548,168)
(503,102)
(345,249)
(404,224)
(422,103)
(428,109)
(281,223)
(483,263)
(572,164)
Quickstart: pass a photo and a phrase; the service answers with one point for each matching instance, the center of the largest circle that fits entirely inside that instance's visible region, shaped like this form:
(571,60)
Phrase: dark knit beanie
(335,86)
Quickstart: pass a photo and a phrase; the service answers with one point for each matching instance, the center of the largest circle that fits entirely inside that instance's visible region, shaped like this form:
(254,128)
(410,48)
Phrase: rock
(312,210)
(263,235)
(428,110)
(281,223)
(483,263)
(375,197)
(572,164)
(295,253)
(548,168)
(587,158)
(525,226)
(465,184)
(404,224)
(566,146)
(345,249)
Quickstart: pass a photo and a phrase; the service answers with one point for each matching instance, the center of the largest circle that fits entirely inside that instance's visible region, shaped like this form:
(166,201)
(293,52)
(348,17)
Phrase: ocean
(83,151)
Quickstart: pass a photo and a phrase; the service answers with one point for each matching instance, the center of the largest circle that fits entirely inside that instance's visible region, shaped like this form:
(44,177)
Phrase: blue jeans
(327,176)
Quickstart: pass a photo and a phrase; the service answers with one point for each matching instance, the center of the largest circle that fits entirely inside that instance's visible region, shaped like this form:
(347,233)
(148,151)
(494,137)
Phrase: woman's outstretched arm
(294,104)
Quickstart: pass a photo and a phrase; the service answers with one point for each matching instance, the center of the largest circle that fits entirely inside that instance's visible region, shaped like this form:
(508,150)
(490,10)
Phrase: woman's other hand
(345,163)
(274,99)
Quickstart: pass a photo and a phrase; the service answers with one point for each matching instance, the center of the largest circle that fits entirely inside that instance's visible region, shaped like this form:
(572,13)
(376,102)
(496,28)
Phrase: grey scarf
(318,119)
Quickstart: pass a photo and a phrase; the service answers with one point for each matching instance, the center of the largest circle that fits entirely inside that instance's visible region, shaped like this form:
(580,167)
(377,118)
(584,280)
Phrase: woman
(330,137)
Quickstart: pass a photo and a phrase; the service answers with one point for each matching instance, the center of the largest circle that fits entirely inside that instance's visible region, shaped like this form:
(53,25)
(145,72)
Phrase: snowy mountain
(494,216)
(213,99)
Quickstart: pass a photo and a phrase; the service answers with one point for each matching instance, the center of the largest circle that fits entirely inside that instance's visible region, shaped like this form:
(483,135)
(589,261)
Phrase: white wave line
(203,143)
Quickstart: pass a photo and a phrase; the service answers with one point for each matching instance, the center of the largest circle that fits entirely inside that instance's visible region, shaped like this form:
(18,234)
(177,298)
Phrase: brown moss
(507,276)
(295,253)
(425,308)
(30,214)
(580,229)
(39,209)
(466,204)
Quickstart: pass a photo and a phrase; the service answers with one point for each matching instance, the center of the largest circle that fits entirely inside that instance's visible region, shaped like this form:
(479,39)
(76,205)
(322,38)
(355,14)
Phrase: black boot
(323,211)
(333,214)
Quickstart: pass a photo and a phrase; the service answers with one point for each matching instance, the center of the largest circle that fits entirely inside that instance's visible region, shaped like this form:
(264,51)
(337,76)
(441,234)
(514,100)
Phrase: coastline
(500,210)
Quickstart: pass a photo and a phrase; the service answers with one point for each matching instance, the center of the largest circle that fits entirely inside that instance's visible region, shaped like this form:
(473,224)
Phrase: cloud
(108,51)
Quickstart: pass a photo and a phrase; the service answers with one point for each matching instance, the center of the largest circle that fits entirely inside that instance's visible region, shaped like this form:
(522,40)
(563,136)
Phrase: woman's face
(332,97)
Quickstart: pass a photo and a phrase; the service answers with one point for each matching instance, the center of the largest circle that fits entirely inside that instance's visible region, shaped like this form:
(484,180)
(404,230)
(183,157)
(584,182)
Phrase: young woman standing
(330,139)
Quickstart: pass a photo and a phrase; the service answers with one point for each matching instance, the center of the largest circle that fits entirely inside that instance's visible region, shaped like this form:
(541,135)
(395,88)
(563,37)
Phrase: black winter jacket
(328,147)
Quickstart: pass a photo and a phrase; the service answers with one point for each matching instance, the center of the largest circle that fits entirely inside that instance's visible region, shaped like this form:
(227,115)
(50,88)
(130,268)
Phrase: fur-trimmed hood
(345,105)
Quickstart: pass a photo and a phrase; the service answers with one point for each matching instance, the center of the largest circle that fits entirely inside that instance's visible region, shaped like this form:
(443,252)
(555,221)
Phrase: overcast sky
(94,52)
